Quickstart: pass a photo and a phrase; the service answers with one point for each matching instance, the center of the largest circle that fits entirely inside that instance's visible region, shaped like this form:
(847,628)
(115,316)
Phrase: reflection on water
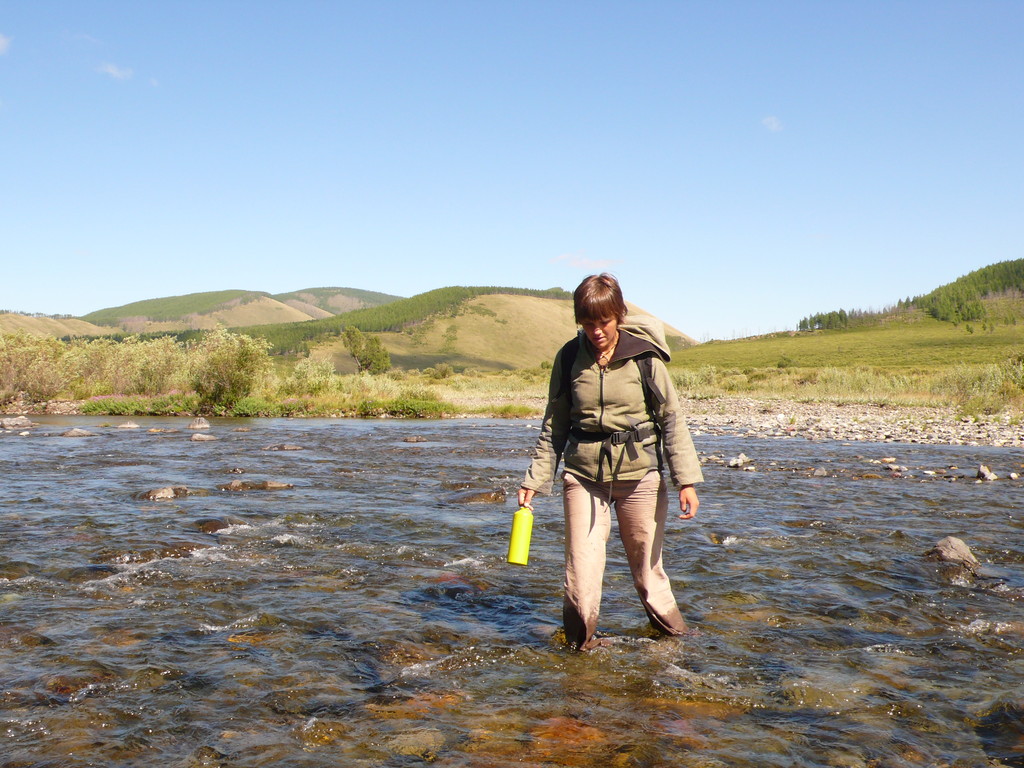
(364,618)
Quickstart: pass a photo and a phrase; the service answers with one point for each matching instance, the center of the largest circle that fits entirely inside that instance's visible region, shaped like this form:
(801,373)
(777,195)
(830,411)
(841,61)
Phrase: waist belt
(628,437)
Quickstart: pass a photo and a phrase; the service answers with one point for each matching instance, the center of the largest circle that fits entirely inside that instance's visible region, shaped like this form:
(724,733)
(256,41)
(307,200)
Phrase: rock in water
(984,473)
(168,492)
(953,550)
(739,461)
(199,437)
(199,423)
(17,422)
(76,432)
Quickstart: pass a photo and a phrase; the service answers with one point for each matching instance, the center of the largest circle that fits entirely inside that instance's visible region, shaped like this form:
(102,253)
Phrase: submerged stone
(254,485)
(493,496)
(422,743)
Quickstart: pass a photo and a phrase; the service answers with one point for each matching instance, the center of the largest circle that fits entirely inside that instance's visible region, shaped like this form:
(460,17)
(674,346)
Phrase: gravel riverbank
(852,422)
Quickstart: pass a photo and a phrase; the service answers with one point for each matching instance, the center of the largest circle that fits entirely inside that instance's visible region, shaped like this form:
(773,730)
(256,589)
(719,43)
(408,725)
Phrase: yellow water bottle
(519,543)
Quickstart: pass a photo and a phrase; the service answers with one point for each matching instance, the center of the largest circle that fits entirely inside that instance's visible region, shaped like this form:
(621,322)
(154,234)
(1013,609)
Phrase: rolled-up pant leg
(587,526)
(641,514)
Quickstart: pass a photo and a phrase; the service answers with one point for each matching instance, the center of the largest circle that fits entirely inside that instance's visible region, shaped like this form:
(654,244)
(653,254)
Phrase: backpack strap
(570,349)
(653,396)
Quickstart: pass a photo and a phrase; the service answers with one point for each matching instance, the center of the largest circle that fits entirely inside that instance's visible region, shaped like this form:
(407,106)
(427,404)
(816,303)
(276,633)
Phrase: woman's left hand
(688,502)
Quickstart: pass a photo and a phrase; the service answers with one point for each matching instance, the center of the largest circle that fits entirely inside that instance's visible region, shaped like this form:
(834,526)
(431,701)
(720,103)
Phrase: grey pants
(641,508)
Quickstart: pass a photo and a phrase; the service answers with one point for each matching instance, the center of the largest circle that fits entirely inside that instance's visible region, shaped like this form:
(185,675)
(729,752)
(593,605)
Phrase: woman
(613,416)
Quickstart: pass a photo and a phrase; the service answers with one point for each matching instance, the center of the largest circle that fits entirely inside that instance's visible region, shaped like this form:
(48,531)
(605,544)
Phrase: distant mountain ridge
(482,327)
(237,308)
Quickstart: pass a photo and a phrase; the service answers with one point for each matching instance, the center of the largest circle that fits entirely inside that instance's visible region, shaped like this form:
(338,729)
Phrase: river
(365,616)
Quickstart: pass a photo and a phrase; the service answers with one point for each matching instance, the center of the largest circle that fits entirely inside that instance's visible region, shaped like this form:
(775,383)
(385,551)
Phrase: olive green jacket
(612,401)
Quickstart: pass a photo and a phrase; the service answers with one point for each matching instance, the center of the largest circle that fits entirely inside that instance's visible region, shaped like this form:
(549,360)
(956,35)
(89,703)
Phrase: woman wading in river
(613,416)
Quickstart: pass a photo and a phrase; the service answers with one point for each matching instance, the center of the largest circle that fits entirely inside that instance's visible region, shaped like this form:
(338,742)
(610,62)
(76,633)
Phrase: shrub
(406,408)
(228,366)
(42,367)
(311,377)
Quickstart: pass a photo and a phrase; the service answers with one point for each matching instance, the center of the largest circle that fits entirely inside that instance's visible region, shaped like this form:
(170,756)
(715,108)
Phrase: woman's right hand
(525,497)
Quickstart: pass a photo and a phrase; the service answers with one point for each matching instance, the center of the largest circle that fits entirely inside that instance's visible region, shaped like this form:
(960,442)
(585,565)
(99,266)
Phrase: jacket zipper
(600,420)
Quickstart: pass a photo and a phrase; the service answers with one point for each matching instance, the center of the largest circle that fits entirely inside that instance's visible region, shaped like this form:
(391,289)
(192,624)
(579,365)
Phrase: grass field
(922,342)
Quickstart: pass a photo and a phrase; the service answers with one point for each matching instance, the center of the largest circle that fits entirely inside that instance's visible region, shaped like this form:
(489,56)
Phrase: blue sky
(738,165)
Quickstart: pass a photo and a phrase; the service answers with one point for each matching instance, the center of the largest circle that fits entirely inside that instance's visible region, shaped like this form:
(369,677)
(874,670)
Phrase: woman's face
(602,333)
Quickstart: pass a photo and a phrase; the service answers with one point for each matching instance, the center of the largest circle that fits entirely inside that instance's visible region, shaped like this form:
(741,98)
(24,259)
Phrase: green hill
(483,327)
(172,307)
(233,308)
(976,319)
(992,294)
(910,340)
(334,301)
(394,316)
(972,297)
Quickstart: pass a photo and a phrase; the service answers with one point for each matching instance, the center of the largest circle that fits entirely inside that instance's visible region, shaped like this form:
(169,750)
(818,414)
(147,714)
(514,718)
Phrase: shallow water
(366,616)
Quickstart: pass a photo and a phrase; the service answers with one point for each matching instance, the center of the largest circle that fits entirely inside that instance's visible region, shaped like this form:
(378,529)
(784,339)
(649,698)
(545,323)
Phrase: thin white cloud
(116,72)
(579,261)
(5,44)
(772,123)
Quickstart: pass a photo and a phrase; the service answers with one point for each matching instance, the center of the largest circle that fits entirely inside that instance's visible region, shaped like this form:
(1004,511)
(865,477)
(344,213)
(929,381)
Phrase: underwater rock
(254,485)
(198,423)
(415,439)
(76,432)
(320,733)
(422,743)
(128,425)
(284,447)
(207,757)
(200,437)
(953,550)
(493,496)
(215,524)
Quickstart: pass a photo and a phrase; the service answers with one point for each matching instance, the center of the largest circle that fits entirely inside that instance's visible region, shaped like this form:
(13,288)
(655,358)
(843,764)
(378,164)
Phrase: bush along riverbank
(227,374)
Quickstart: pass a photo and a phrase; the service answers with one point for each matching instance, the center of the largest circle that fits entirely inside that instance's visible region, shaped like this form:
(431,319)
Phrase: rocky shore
(851,422)
(781,419)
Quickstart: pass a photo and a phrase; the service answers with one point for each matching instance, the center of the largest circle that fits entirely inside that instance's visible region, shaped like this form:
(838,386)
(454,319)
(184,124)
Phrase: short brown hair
(598,297)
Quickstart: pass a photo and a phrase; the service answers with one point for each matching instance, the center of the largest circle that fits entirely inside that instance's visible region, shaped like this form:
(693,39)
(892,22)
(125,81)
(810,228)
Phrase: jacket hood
(645,329)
